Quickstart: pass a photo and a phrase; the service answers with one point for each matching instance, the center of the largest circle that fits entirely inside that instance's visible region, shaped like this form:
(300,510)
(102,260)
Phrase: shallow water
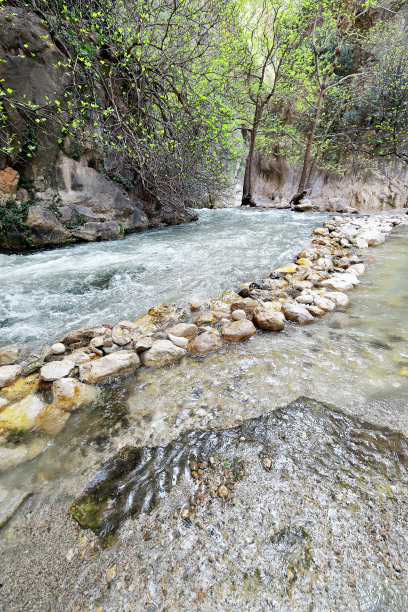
(45,294)
(331,511)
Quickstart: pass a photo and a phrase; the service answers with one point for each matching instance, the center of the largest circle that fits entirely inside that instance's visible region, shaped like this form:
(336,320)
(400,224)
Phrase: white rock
(338,284)
(373,238)
(238,315)
(57,369)
(179,341)
(356,269)
(360,243)
(297,313)
(118,363)
(184,330)
(340,299)
(70,394)
(324,304)
(9,374)
(163,352)
(304,299)
(58,348)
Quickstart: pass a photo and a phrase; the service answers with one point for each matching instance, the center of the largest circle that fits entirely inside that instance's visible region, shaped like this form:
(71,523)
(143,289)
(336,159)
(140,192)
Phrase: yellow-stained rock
(403,371)
(51,420)
(70,394)
(204,318)
(21,388)
(159,317)
(21,416)
(288,269)
(275,306)
(303,261)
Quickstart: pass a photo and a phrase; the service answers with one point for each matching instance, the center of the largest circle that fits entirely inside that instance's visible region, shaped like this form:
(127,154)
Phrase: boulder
(56,369)
(372,238)
(116,364)
(21,415)
(21,388)
(70,394)
(9,374)
(142,343)
(338,284)
(297,313)
(81,337)
(45,227)
(94,231)
(340,299)
(268,319)
(238,315)
(185,330)
(248,305)
(324,303)
(178,341)
(51,420)
(303,206)
(205,343)
(204,318)
(163,352)
(238,331)
(305,299)
(356,269)
(160,317)
(9,355)
(337,205)
(121,336)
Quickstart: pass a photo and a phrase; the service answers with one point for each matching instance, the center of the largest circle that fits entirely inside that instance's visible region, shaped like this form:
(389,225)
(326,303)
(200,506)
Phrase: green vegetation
(169,94)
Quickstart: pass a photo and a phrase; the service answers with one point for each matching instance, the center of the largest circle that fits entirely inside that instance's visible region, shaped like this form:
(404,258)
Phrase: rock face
(268,319)
(163,352)
(118,363)
(205,343)
(238,331)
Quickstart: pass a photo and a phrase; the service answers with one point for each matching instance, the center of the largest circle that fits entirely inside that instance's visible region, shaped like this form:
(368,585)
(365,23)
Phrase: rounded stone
(58,348)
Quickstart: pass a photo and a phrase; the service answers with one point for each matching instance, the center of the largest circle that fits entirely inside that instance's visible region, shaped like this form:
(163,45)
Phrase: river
(325,528)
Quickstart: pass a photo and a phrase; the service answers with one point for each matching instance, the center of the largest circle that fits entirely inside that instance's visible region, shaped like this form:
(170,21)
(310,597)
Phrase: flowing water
(323,526)
(45,294)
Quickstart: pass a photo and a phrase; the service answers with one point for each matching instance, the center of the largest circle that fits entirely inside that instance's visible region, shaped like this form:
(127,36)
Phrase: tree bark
(247,186)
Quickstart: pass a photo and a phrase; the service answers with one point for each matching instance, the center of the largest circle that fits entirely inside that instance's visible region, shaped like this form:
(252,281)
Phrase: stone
(98,342)
(321,231)
(304,261)
(340,299)
(305,299)
(184,330)
(14,454)
(58,348)
(51,420)
(160,317)
(361,243)
(178,341)
(275,306)
(70,394)
(337,205)
(80,356)
(163,352)
(81,337)
(142,343)
(21,415)
(372,238)
(324,303)
(238,331)
(121,336)
(57,369)
(116,364)
(238,315)
(195,306)
(9,374)
(45,227)
(337,283)
(290,268)
(297,313)
(303,206)
(204,318)
(223,492)
(9,355)
(21,388)
(315,311)
(268,319)
(356,269)
(112,348)
(205,343)
(94,231)
(248,305)
(301,285)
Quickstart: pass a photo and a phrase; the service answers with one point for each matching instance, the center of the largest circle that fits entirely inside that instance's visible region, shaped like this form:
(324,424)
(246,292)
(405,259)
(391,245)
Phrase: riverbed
(325,527)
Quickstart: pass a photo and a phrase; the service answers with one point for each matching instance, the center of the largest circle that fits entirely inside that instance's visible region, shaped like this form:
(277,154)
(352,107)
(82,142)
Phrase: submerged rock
(116,364)
(163,352)
(70,394)
(238,331)
(22,415)
(9,374)
(10,501)
(51,420)
(205,343)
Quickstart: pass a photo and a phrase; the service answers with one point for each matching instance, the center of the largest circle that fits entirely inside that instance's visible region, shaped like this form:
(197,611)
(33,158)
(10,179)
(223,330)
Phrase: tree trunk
(308,153)
(247,186)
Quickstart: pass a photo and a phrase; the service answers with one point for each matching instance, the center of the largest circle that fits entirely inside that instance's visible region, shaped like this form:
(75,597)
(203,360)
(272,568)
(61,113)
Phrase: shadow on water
(318,441)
